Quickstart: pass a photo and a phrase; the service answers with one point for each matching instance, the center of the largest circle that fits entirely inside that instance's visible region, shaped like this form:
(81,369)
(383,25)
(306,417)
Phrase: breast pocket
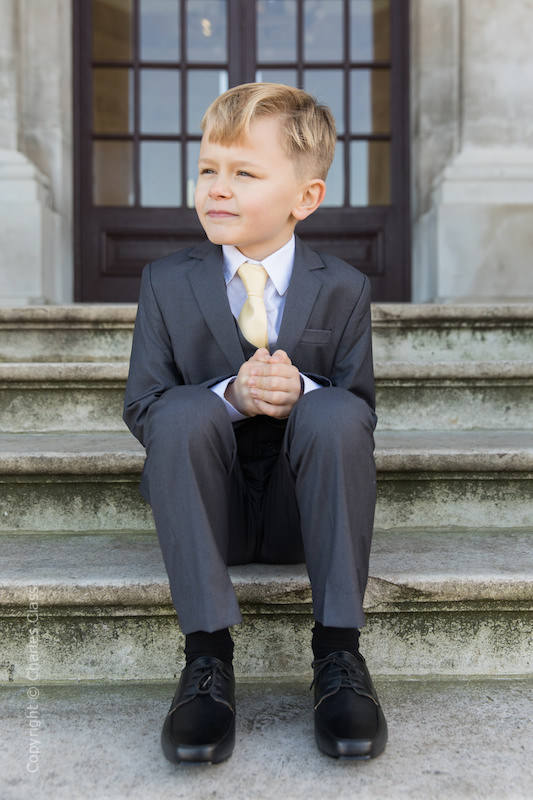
(315,336)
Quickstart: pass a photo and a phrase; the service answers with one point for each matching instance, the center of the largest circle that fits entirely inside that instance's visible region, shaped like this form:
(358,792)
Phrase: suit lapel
(207,282)
(209,287)
(303,289)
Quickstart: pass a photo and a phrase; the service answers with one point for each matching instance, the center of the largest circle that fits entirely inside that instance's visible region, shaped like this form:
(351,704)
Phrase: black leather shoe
(349,721)
(200,724)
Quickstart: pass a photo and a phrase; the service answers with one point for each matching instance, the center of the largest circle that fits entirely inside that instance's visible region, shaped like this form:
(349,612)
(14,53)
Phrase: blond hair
(308,132)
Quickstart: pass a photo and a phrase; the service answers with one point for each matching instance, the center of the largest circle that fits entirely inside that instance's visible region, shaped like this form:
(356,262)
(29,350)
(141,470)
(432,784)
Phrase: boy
(251,388)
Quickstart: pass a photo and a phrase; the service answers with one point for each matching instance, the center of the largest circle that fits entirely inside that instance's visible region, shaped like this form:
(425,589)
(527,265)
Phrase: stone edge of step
(415,314)
(117,371)
(383,314)
(281,585)
(63,371)
(396,451)
(69,314)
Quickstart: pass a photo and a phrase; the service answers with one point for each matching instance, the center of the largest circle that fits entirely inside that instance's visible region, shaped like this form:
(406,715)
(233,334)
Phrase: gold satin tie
(253,319)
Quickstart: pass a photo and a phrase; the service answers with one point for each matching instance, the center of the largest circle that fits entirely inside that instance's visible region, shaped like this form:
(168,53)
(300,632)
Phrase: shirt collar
(278,265)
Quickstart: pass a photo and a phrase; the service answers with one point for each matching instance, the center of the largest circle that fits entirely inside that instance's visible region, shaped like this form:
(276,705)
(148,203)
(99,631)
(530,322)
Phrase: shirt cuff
(309,384)
(220,388)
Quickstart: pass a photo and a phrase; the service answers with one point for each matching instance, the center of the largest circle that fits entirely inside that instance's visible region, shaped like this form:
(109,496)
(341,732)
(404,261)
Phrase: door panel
(145,70)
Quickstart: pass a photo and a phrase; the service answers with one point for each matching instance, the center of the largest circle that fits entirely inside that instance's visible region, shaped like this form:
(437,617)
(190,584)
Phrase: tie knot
(254,277)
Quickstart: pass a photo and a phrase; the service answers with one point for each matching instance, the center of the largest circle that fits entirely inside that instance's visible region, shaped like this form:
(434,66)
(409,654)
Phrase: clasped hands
(265,384)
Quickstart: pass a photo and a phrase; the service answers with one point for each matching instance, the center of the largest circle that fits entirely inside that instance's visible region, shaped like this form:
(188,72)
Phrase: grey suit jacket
(185,332)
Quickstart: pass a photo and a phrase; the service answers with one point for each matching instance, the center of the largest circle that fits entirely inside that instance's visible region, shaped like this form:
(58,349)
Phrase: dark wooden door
(145,70)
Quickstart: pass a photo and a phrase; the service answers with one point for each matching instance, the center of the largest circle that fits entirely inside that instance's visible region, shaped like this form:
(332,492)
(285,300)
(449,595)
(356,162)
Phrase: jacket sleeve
(353,366)
(152,367)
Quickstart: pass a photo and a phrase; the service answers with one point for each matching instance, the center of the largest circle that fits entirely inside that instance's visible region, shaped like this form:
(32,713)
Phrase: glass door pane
(159,30)
(203,86)
(113,174)
(288,77)
(336,178)
(322,35)
(112,30)
(160,101)
(370,101)
(276,30)
(327,85)
(112,100)
(207,30)
(370,174)
(160,174)
(369,30)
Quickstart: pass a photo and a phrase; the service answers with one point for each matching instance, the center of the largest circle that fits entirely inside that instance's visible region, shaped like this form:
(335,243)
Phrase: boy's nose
(220,188)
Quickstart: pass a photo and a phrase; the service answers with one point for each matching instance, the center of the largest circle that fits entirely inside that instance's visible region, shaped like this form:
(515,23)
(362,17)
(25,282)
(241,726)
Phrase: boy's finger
(275,369)
(271,410)
(274,382)
(275,395)
(281,355)
(261,354)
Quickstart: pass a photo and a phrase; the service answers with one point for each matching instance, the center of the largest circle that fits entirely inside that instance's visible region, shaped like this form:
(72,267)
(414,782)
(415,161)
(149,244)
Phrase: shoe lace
(205,676)
(350,673)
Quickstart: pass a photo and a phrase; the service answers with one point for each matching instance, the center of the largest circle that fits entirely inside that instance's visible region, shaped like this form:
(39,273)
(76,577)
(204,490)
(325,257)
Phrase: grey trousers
(293,491)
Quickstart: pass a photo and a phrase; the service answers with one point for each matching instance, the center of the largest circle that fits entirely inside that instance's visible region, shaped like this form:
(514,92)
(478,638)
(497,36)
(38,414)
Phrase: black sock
(328,639)
(201,643)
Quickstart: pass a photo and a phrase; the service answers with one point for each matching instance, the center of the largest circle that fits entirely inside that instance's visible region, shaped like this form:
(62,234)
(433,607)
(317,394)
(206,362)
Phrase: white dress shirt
(279,269)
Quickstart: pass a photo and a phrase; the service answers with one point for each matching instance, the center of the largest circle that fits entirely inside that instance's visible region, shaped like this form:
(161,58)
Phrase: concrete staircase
(449,601)
(451,587)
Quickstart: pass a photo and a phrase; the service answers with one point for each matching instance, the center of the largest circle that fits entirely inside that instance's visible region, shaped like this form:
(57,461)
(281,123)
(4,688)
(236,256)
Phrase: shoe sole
(212,753)
(353,749)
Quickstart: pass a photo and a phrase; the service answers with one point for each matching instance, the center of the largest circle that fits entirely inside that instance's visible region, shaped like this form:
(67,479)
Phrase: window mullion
(136,108)
(300,42)
(183,101)
(347,115)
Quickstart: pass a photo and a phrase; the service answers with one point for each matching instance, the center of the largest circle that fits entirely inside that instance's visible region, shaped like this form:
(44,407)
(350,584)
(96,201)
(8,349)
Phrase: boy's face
(246,193)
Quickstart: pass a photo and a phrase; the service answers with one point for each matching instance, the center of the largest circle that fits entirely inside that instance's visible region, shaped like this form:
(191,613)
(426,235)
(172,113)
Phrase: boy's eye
(243,172)
(205,171)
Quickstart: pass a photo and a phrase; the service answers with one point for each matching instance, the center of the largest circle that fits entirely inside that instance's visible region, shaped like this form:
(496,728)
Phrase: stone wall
(472,149)
(36,244)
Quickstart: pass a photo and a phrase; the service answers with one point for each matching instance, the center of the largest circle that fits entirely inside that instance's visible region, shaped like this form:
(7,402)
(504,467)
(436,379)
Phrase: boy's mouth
(220,214)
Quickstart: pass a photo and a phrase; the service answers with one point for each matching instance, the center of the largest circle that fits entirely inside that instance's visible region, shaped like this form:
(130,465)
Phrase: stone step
(62,396)
(443,741)
(77,332)
(468,395)
(445,602)
(402,332)
(84,396)
(458,332)
(87,481)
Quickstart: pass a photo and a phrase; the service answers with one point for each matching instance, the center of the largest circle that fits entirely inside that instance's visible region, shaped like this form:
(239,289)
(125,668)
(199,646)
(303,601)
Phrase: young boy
(251,387)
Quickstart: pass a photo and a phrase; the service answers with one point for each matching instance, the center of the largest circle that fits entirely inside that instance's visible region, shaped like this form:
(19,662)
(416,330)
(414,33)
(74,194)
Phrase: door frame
(391,225)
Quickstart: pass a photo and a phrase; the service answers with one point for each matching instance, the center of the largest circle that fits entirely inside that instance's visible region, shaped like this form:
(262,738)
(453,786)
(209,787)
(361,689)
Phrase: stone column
(472,121)
(36,263)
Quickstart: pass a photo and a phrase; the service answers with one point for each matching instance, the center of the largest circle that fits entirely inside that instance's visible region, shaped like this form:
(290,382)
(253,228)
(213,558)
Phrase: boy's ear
(311,195)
